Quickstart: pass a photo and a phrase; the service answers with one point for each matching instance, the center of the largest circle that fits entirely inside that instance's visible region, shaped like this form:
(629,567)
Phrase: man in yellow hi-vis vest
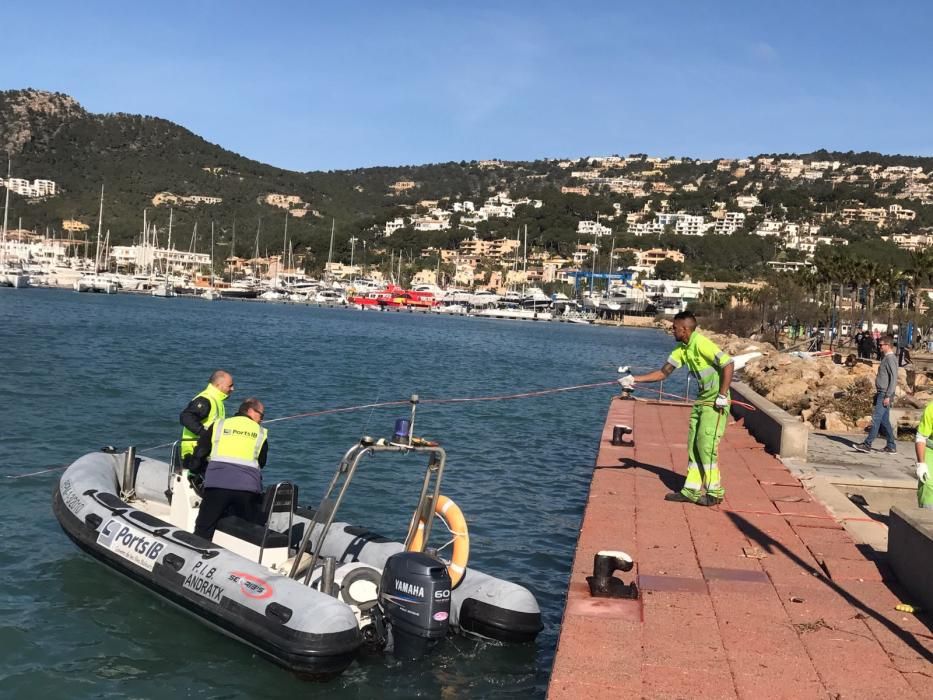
(203,410)
(712,368)
(235,450)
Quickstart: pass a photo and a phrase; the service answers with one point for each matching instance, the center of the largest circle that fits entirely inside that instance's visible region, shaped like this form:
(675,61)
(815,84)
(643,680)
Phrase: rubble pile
(827,395)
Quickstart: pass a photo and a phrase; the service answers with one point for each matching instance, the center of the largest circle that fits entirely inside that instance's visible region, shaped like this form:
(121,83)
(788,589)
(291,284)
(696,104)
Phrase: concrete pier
(765,596)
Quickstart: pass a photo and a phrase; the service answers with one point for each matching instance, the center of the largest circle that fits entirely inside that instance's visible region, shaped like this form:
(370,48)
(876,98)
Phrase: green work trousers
(707,425)
(925,488)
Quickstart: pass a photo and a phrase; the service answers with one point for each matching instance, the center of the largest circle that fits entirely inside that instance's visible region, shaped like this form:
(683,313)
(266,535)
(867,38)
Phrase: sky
(327,86)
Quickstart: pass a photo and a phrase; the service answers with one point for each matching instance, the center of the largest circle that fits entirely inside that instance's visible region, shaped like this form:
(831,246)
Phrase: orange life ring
(452,516)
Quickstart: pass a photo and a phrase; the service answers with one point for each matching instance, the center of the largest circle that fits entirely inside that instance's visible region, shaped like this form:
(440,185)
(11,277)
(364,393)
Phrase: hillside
(50,136)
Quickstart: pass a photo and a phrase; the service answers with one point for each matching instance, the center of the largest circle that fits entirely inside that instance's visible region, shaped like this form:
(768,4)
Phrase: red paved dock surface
(811,618)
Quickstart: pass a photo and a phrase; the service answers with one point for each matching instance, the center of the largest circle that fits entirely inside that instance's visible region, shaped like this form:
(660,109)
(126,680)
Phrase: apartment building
(430,224)
(593,228)
(878,215)
(393,226)
(143,257)
(24,188)
(731,222)
(283,201)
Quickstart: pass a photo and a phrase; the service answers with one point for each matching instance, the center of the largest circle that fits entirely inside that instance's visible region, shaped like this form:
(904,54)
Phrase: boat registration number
(136,546)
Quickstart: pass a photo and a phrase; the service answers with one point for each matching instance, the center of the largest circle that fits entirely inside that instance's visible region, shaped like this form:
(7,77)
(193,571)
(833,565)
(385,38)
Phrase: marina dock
(765,596)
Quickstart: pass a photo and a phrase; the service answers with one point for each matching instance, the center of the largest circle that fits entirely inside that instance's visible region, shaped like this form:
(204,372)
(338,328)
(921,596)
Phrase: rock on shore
(824,394)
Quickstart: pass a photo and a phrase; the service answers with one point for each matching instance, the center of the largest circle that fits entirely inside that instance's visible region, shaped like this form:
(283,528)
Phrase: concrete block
(781,433)
(910,552)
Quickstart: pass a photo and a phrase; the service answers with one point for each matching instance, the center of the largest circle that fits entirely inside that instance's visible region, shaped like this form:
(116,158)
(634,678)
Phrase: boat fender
(452,516)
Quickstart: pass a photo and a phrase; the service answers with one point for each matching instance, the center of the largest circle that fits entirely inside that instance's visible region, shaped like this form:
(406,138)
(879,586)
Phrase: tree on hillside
(669,270)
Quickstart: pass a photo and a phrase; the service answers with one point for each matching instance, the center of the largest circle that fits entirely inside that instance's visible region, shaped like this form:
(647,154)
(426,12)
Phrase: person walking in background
(885,386)
(866,346)
(712,368)
(924,448)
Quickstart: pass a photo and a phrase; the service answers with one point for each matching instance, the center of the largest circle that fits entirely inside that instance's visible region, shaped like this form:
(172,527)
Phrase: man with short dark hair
(236,450)
(712,368)
(885,386)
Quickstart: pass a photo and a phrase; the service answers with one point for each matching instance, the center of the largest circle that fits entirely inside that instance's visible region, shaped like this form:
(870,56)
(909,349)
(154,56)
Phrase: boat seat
(286,499)
(251,532)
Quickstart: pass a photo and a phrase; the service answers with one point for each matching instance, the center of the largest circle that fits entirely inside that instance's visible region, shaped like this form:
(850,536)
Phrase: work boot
(708,500)
(678,497)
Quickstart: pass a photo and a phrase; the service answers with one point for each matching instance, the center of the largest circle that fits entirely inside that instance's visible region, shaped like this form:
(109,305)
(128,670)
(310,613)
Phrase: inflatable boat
(306,591)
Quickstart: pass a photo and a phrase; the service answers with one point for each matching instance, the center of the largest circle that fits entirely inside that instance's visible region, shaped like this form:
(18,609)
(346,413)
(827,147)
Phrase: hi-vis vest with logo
(704,359)
(215,397)
(238,440)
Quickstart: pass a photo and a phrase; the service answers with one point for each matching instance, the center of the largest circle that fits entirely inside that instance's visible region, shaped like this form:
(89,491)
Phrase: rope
(405,402)
(469,399)
(373,406)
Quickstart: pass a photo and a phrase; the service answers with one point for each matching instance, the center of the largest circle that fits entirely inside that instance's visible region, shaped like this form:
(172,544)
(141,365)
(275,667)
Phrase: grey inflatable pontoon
(304,590)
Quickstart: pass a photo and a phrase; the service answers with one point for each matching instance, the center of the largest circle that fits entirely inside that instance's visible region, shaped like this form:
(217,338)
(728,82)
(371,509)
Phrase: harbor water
(81,371)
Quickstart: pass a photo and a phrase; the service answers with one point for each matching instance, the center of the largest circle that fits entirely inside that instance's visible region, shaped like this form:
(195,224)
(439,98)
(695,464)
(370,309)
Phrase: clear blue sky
(319,86)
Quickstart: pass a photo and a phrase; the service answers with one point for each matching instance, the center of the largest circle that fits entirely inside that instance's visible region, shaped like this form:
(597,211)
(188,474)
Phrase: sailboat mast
(100,222)
(284,249)
(212,253)
(525,264)
(6,207)
(330,251)
(258,229)
(232,249)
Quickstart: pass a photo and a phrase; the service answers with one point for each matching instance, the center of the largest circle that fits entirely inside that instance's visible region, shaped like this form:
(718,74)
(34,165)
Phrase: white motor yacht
(95,283)
(330,297)
(484,297)
(535,298)
(10,277)
(514,313)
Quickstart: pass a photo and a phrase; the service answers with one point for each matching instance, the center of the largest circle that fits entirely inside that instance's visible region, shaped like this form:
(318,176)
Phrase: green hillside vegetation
(50,136)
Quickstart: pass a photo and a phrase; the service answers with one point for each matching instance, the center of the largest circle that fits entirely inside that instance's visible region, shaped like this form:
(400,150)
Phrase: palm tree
(871,273)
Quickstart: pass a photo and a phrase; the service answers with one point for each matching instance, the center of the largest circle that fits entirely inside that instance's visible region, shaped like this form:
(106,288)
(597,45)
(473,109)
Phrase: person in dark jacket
(866,346)
(202,411)
(885,386)
(235,451)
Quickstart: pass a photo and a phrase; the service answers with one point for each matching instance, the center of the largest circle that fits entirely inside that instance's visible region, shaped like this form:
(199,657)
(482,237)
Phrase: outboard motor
(415,597)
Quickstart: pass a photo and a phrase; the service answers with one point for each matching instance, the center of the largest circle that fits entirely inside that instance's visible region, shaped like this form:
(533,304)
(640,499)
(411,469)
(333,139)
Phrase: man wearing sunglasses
(235,450)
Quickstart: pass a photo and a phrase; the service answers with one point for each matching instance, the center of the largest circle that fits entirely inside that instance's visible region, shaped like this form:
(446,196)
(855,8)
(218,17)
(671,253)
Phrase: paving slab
(764,596)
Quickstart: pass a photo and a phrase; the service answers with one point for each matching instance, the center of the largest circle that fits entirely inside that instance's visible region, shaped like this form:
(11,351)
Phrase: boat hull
(292,625)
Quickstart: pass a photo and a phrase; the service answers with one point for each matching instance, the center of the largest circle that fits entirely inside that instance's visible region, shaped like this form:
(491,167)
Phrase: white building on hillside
(730,223)
(393,226)
(593,228)
(24,188)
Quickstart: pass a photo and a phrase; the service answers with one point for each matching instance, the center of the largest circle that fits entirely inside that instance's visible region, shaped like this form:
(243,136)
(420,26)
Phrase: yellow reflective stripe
(218,433)
(263,433)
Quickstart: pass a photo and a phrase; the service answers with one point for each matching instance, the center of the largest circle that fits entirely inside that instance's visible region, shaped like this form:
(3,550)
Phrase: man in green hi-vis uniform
(712,369)
(924,448)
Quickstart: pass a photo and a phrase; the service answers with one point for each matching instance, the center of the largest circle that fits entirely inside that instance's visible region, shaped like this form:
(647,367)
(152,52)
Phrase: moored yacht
(96,283)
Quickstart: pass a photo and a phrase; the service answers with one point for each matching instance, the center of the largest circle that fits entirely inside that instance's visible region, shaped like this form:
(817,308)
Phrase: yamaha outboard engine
(415,596)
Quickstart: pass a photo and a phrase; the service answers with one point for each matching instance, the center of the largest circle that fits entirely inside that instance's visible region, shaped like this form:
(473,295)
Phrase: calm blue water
(81,371)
